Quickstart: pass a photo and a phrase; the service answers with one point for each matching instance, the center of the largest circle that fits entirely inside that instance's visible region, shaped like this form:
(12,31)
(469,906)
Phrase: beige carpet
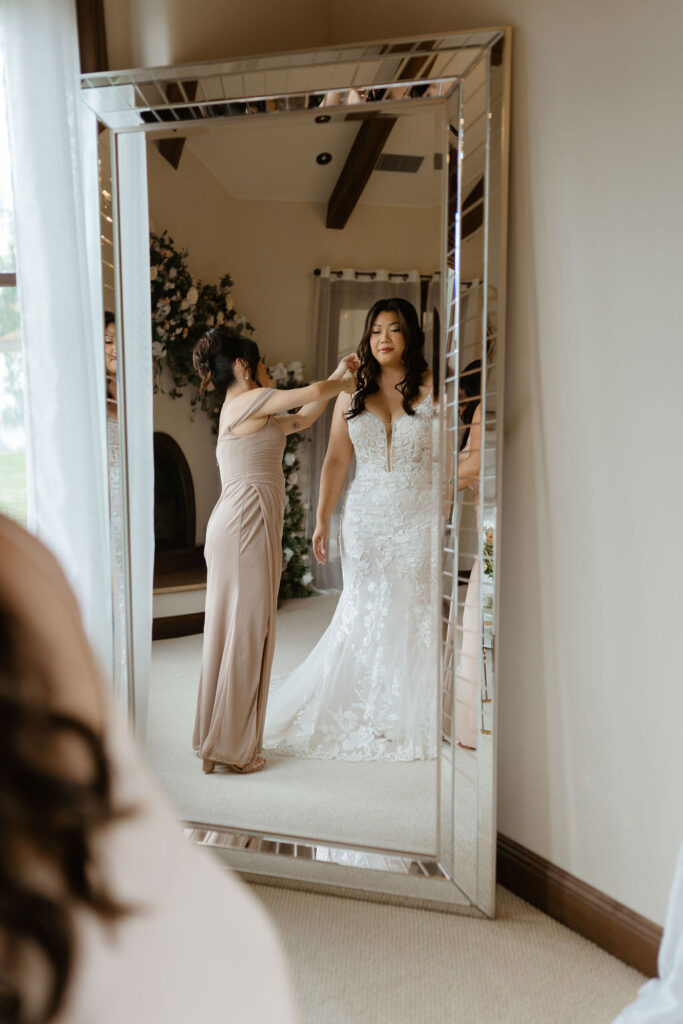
(338,801)
(354,961)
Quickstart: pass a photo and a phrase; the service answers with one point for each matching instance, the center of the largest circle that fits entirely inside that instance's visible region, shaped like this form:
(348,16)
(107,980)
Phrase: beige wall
(147,33)
(270,249)
(590,751)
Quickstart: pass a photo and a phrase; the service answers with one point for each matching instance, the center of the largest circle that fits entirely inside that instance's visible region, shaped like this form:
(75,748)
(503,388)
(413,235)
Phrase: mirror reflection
(297,500)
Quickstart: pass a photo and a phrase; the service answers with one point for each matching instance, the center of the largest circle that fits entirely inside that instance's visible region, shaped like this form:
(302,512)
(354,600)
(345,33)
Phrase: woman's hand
(320,539)
(349,364)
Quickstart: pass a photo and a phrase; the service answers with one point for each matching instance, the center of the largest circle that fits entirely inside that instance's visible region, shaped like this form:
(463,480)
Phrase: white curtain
(343,298)
(60,301)
(660,1001)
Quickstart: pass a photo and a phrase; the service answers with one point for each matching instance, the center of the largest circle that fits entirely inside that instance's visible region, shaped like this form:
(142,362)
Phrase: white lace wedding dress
(368,689)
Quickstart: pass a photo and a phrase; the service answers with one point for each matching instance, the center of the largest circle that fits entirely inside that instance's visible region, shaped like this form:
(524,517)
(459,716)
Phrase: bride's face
(110,349)
(386,340)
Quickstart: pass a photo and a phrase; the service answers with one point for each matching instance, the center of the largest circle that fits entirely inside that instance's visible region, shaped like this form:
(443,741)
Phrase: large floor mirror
(282,199)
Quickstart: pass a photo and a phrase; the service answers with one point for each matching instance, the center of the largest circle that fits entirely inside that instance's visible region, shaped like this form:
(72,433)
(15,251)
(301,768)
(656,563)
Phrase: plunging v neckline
(389,436)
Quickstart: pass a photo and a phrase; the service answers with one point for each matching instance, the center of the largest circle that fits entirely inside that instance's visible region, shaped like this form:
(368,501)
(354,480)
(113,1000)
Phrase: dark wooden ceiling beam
(92,36)
(172,149)
(360,163)
(366,151)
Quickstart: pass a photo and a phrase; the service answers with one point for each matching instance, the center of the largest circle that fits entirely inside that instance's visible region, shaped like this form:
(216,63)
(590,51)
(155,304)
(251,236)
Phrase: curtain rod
(373,273)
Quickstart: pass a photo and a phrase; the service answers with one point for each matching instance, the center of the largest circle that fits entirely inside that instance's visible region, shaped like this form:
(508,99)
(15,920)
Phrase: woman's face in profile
(386,340)
(262,376)
(110,349)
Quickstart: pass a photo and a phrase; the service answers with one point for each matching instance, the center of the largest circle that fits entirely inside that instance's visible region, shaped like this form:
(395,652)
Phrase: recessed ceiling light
(323,158)
(322,119)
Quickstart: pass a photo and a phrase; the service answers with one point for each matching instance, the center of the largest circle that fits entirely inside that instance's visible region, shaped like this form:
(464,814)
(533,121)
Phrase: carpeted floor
(353,961)
(340,802)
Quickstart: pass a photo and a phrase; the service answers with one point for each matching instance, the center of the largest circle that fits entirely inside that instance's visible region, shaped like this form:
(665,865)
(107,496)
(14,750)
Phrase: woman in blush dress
(368,690)
(243,542)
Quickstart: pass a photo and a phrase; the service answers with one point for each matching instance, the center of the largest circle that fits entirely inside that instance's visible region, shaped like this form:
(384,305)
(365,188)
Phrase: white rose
(229,304)
(153,273)
(220,317)
(209,321)
(287,554)
(290,459)
(293,479)
(158,349)
(307,578)
(184,304)
(279,373)
(192,295)
(172,273)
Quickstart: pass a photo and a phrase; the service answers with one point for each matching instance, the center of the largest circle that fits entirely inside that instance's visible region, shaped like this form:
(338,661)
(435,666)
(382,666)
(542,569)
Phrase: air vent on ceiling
(398,162)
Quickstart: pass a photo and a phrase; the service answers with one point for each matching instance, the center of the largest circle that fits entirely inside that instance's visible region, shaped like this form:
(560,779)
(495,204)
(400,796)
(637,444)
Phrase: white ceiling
(275,158)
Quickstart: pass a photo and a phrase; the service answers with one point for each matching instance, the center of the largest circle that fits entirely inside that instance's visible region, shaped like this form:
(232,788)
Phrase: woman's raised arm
(309,413)
(333,476)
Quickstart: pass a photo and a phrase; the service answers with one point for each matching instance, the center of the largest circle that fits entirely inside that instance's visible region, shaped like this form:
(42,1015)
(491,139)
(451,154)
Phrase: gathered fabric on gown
(368,690)
(243,554)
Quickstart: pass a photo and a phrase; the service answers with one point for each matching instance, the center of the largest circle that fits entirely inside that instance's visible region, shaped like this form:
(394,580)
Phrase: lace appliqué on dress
(368,690)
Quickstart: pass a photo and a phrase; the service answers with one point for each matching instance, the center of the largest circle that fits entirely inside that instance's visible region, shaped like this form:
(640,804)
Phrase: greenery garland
(183,309)
(296,576)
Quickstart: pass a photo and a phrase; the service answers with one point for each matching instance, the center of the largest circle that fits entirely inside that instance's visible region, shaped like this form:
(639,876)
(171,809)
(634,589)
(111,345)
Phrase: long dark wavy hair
(414,361)
(470,384)
(49,821)
(214,358)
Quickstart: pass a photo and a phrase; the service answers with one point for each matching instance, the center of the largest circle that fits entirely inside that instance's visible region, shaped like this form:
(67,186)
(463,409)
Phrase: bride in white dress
(368,690)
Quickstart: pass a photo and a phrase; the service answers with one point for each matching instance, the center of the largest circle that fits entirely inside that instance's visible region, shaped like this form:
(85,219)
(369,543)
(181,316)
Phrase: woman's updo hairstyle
(214,358)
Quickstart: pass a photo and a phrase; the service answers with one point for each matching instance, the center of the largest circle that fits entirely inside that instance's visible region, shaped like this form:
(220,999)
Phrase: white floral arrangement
(183,309)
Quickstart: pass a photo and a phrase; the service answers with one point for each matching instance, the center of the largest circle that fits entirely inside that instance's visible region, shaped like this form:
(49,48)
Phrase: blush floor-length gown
(368,690)
(243,553)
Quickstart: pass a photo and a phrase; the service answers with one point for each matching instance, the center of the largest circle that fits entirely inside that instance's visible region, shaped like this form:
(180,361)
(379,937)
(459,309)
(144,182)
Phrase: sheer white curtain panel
(52,153)
(660,1000)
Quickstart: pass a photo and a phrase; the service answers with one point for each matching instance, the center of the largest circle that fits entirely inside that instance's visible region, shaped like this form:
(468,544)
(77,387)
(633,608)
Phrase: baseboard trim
(610,925)
(171,626)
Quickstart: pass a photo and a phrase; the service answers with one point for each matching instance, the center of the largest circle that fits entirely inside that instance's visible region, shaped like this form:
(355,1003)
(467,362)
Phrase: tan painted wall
(590,751)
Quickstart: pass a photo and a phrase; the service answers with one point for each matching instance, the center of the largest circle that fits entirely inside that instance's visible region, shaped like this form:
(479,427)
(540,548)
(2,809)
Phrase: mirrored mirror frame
(474,103)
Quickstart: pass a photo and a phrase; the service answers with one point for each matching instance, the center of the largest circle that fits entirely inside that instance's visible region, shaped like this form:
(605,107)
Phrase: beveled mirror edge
(490,896)
(276,867)
(176,71)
